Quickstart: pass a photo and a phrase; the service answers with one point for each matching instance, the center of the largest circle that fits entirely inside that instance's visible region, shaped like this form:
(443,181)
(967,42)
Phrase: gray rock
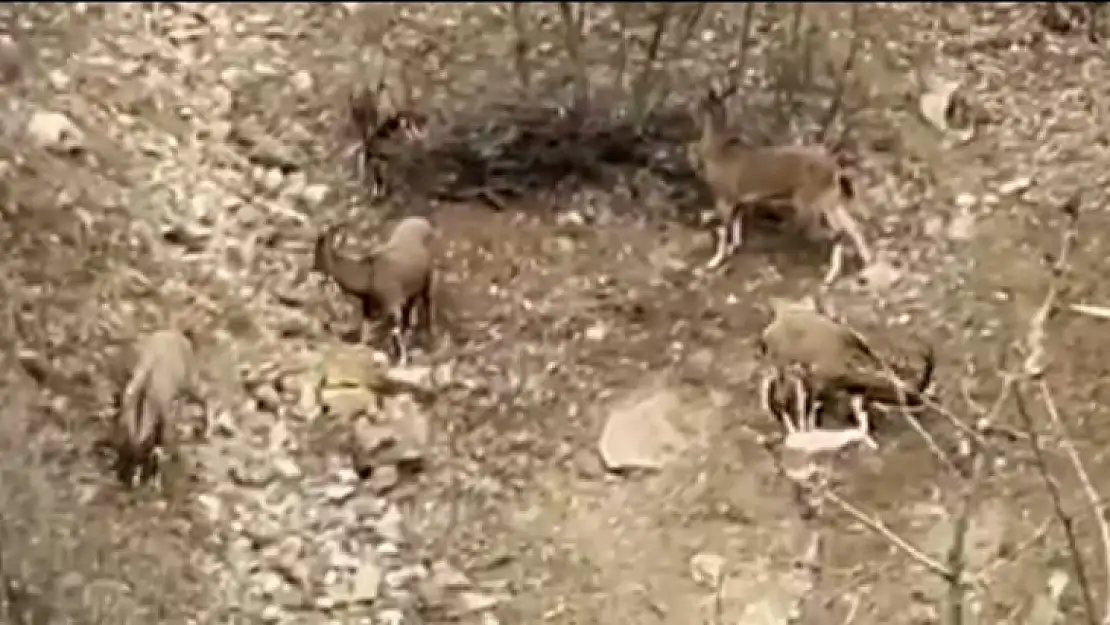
(391,526)
(404,577)
(448,577)
(287,468)
(387,550)
(391,616)
(211,505)
(639,434)
(411,428)
(326,602)
(471,601)
(272,180)
(383,479)
(250,473)
(263,530)
(55,132)
(302,81)
(411,379)
(366,583)
(707,569)
(272,613)
(346,403)
(339,493)
(314,195)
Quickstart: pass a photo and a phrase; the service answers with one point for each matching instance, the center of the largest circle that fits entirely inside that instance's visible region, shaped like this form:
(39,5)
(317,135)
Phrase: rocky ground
(166,156)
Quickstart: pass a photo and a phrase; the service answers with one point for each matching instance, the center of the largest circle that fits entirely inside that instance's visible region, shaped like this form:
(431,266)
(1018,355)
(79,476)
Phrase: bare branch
(736,71)
(956,558)
(572,39)
(784,94)
(836,103)
(643,82)
(520,46)
(879,528)
(1066,521)
(1089,490)
(1036,358)
(620,15)
(652,99)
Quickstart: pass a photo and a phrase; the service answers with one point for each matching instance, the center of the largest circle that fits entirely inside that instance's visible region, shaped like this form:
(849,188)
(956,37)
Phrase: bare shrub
(600,96)
(804,459)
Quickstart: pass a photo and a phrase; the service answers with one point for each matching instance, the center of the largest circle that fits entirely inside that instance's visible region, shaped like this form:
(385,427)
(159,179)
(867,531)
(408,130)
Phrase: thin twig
(620,16)
(878,527)
(1066,521)
(956,559)
(736,78)
(1034,367)
(930,442)
(1089,490)
(520,46)
(685,35)
(572,41)
(984,573)
(842,84)
(873,524)
(642,83)
(1036,359)
(785,86)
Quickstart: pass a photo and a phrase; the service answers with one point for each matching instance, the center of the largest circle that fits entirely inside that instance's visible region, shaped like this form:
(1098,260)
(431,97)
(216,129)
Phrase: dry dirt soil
(221,119)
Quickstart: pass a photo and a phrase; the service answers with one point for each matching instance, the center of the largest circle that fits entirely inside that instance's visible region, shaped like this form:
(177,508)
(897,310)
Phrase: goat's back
(164,368)
(810,338)
(406,258)
(746,174)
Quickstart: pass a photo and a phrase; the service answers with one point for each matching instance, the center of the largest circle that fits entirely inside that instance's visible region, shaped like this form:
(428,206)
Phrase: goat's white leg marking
(847,225)
(765,386)
(737,232)
(836,264)
(863,421)
(800,410)
(397,334)
(722,248)
(765,393)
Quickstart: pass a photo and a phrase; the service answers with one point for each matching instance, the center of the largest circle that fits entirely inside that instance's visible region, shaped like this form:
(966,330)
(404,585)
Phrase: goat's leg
(836,264)
(736,231)
(721,233)
(365,329)
(398,335)
(157,472)
(426,305)
(126,468)
(729,226)
(194,396)
(846,225)
(414,316)
(765,384)
(863,421)
(801,410)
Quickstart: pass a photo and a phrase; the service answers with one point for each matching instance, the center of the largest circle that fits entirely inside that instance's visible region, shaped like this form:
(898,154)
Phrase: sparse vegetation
(214,144)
